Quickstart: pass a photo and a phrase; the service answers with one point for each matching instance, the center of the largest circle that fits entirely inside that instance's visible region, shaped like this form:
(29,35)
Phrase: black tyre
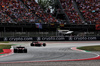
(44,44)
(32,44)
(15,51)
(39,45)
(25,51)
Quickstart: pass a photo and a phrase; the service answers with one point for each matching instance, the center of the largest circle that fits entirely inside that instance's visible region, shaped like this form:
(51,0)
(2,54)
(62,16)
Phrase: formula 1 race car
(36,43)
(20,49)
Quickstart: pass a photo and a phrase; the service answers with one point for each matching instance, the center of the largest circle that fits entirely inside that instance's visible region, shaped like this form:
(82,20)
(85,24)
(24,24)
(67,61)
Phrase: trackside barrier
(68,38)
(85,38)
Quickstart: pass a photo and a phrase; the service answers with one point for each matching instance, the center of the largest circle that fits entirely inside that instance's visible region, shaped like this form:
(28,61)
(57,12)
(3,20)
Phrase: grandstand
(24,18)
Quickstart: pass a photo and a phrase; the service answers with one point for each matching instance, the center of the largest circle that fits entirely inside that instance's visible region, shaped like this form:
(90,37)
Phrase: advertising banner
(20,38)
(53,39)
(85,38)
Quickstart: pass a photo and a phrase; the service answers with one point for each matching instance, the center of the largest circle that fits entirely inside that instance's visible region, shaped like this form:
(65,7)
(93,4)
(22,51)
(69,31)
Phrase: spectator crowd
(38,11)
(17,11)
(28,11)
(70,11)
(90,9)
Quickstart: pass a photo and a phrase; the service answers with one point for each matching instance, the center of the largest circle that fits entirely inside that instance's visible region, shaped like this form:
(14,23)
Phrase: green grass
(4,47)
(90,48)
(1,54)
(4,41)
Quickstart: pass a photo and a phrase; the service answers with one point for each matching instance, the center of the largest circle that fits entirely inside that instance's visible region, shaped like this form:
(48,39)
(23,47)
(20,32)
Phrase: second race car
(36,43)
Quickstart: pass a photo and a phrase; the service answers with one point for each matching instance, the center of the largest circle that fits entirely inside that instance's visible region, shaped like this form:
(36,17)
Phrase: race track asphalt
(53,51)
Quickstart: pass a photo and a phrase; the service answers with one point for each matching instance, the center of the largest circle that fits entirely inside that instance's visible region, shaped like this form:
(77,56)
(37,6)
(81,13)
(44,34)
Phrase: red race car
(20,49)
(36,43)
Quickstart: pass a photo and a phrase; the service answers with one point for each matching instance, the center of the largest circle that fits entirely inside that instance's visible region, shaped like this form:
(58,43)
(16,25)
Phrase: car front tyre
(44,44)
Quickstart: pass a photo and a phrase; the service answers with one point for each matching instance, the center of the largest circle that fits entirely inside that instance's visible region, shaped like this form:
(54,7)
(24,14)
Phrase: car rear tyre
(25,51)
(32,44)
(15,51)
